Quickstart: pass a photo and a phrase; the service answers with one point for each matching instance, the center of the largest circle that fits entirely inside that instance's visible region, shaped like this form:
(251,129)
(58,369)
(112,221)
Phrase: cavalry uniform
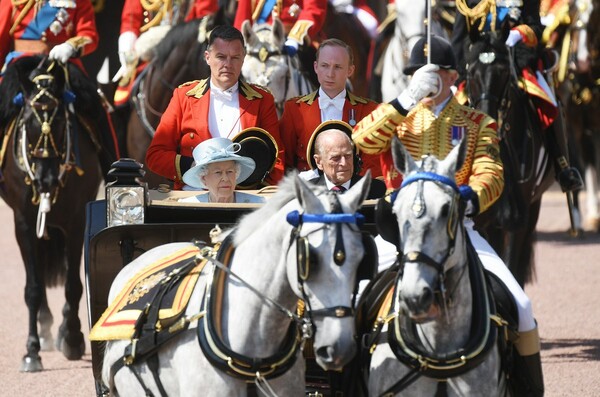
(185,124)
(523,16)
(139,16)
(423,133)
(138,20)
(302,115)
(33,27)
(29,27)
(302,19)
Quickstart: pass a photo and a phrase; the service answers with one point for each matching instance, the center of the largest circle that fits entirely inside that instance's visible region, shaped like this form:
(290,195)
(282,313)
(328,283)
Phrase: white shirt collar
(438,108)
(224,95)
(337,101)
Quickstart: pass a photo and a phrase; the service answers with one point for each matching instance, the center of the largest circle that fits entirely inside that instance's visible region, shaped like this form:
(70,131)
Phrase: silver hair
(321,136)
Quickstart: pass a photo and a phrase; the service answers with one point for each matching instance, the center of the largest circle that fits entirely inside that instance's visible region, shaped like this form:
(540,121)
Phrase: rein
(402,335)
(252,369)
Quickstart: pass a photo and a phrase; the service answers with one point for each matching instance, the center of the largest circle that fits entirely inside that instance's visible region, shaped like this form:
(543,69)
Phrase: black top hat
(441,54)
(260,146)
(324,126)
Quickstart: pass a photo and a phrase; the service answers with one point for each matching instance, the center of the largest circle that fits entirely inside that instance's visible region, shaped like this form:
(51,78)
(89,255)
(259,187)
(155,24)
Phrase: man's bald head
(334,155)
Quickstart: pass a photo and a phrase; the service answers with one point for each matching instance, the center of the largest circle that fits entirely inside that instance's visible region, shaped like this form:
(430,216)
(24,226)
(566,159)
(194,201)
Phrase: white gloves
(126,53)
(62,52)
(290,47)
(514,36)
(424,82)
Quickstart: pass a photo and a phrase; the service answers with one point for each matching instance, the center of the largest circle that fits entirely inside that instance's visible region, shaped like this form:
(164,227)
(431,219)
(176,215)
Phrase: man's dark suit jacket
(377,187)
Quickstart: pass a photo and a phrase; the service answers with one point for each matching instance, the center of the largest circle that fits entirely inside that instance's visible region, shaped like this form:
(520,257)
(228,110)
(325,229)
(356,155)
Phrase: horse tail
(55,256)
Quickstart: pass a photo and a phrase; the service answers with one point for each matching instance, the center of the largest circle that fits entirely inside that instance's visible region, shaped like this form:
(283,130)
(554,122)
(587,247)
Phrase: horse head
(429,212)
(326,252)
(489,71)
(43,129)
(265,63)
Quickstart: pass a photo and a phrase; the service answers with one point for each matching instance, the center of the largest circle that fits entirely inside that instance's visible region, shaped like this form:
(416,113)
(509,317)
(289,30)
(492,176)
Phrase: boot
(527,370)
(568,177)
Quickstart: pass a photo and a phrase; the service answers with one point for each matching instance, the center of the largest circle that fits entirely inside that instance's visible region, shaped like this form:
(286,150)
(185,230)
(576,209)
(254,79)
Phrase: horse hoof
(31,364)
(72,352)
(47,344)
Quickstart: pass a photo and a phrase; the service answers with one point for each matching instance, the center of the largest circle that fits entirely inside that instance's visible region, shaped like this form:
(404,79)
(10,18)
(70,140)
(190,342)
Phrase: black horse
(50,170)
(492,86)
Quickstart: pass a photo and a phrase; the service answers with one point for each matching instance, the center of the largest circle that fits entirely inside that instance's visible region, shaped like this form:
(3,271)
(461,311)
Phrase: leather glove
(290,47)
(514,36)
(62,52)
(126,53)
(424,82)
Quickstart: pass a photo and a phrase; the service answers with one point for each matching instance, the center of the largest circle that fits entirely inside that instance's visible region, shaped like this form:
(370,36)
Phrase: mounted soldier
(64,31)
(143,25)
(524,37)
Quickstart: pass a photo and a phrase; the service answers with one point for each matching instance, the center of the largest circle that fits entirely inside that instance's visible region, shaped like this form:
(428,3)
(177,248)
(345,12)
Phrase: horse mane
(180,33)
(249,223)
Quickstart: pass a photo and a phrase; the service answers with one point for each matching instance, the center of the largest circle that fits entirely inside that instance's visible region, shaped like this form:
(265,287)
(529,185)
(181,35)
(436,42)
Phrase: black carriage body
(108,249)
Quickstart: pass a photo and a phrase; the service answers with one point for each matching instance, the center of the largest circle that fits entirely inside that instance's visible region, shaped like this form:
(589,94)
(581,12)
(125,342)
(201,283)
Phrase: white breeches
(492,262)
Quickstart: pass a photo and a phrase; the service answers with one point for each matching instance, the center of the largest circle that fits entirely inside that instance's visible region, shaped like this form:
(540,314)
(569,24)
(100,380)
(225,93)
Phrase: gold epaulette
(354,99)
(249,92)
(308,98)
(199,90)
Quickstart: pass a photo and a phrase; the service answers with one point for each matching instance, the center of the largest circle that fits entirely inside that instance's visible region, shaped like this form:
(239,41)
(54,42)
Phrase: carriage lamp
(126,196)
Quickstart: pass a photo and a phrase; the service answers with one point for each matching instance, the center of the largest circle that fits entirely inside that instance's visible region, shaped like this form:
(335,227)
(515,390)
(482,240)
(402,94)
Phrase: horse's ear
(359,192)
(504,30)
(403,161)
(306,197)
(278,33)
(250,37)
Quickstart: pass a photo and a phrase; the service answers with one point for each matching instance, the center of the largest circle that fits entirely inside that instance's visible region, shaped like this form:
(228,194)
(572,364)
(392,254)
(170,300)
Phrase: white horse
(266,65)
(314,256)
(431,342)
(408,29)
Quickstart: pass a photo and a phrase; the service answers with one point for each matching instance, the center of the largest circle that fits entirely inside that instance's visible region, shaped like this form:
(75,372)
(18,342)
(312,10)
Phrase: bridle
(44,106)
(263,54)
(401,332)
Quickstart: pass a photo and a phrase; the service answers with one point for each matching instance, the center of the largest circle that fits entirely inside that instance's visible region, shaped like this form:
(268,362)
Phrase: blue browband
(465,191)
(430,176)
(295,218)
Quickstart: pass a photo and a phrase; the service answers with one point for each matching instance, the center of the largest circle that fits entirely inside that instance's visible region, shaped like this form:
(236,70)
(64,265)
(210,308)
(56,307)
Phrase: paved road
(565,299)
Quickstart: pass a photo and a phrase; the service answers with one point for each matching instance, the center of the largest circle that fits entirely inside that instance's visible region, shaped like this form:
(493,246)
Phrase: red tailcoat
(185,124)
(310,15)
(134,16)
(302,115)
(75,24)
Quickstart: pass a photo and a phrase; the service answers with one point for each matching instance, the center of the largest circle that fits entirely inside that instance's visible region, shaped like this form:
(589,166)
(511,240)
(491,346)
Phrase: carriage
(133,219)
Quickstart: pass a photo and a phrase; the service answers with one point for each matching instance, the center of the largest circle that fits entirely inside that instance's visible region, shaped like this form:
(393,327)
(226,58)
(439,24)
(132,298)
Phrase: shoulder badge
(354,99)
(197,91)
(249,91)
(308,98)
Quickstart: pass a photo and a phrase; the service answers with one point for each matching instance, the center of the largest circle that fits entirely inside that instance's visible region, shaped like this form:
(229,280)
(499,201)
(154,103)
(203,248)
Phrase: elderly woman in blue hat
(219,169)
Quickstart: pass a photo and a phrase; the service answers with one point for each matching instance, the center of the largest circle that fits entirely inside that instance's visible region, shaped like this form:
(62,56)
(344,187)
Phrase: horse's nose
(333,357)
(419,303)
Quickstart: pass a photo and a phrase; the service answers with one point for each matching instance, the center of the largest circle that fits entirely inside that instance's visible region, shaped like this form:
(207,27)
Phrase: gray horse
(440,336)
(313,256)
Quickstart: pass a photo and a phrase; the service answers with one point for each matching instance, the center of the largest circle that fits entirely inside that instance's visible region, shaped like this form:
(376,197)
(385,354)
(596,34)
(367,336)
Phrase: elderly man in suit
(332,153)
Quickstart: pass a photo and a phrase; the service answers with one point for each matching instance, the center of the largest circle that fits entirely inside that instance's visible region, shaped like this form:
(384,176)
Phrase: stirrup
(570,179)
